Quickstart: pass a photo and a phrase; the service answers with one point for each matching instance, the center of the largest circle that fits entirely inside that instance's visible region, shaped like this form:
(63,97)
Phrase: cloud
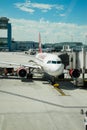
(41,6)
(50,32)
(69,8)
(62,15)
(31,7)
(24,7)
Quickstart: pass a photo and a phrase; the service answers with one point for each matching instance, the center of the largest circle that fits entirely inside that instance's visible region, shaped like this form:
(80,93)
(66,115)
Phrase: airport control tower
(5,42)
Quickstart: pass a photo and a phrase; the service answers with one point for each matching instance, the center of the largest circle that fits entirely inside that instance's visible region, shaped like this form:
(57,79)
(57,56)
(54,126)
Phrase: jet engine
(75,73)
(22,72)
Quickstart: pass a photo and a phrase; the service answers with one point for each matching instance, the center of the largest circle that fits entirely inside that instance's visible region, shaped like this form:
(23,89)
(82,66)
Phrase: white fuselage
(50,63)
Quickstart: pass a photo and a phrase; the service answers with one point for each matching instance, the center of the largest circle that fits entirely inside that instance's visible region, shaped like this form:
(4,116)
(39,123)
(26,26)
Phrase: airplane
(46,62)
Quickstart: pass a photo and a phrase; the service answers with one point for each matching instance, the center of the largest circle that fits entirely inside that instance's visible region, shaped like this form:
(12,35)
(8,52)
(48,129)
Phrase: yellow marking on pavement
(56,86)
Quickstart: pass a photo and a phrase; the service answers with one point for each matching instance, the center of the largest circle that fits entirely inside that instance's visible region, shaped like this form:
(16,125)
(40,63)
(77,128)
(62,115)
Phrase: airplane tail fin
(40,49)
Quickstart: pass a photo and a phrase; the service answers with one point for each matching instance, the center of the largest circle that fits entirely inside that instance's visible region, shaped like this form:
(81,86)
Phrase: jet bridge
(76,64)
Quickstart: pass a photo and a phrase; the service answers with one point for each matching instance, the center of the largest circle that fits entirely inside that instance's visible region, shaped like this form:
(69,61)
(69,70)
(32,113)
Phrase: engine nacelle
(22,72)
(75,73)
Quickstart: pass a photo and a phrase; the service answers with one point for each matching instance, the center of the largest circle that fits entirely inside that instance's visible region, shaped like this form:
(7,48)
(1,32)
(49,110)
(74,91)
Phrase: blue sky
(56,20)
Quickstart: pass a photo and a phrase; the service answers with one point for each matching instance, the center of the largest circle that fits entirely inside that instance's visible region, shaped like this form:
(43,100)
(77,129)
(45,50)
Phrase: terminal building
(75,46)
(26,45)
(23,45)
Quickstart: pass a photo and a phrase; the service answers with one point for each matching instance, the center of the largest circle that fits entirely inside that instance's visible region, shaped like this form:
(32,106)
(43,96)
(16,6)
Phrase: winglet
(40,49)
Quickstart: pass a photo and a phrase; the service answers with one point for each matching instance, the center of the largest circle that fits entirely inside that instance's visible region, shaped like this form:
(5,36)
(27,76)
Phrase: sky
(56,20)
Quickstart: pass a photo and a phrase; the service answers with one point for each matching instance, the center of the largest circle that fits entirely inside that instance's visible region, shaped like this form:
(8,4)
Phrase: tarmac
(37,105)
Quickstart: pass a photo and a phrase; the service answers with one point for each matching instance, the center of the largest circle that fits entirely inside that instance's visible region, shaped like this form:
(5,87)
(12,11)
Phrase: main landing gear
(30,74)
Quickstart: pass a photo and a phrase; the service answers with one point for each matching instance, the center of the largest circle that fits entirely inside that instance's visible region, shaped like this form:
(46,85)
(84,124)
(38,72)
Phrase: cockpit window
(54,62)
(59,62)
(49,62)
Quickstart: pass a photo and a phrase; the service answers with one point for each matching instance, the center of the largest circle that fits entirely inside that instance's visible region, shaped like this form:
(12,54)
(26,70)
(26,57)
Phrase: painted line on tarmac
(56,86)
(42,101)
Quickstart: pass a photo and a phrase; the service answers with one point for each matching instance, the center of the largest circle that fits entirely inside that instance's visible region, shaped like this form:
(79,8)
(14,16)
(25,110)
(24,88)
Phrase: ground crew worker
(85,120)
(82,111)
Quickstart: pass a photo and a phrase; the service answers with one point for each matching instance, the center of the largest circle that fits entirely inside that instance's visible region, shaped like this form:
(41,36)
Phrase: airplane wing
(8,64)
(22,70)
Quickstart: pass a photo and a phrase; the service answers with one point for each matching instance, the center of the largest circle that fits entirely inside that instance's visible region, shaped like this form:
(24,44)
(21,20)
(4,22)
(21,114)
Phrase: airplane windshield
(54,62)
(59,62)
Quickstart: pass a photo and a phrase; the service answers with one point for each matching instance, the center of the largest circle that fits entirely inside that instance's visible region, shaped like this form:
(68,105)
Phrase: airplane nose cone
(57,70)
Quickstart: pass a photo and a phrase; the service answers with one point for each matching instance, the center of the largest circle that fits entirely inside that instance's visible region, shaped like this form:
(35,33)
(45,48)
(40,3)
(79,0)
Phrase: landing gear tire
(29,76)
